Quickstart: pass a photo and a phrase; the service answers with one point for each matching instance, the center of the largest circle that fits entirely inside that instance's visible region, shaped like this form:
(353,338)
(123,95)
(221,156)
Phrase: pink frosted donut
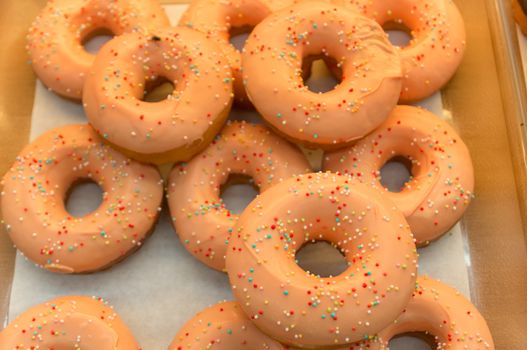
(438,40)
(170,130)
(272,70)
(55,38)
(201,220)
(301,309)
(442,312)
(218,19)
(223,326)
(73,322)
(442,182)
(35,187)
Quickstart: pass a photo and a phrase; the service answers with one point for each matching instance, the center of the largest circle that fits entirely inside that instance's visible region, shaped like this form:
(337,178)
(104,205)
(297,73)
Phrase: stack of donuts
(360,125)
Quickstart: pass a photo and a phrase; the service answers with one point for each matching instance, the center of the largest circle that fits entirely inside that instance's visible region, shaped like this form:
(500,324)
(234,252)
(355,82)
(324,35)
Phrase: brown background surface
(477,96)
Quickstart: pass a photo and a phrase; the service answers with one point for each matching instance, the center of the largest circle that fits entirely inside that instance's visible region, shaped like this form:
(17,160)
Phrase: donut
(171,130)
(442,182)
(272,71)
(200,218)
(222,326)
(71,322)
(438,40)
(220,19)
(441,312)
(55,39)
(304,310)
(519,11)
(36,186)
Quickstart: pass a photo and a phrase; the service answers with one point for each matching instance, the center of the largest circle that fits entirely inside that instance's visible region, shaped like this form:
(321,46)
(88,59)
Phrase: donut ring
(304,310)
(438,40)
(170,130)
(217,18)
(442,312)
(72,322)
(200,218)
(35,187)
(55,38)
(222,326)
(442,182)
(272,69)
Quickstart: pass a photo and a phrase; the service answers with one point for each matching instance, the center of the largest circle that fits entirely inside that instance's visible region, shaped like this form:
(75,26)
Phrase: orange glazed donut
(272,69)
(223,326)
(438,40)
(199,215)
(442,182)
(298,308)
(442,312)
(170,130)
(218,19)
(72,322)
(35,188)
(56,36)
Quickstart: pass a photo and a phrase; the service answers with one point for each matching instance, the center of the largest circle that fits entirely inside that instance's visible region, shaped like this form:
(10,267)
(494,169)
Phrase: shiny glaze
(36,186)
(272,70)
(442,182)
(301,309)
(55,39)
(200,217)
(441,312)
(223,326)
(218,18)
(170,130)
(72,322)
(438,40)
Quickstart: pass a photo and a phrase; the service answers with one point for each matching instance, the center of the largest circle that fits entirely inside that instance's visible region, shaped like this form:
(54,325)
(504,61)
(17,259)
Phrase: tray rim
(511,76)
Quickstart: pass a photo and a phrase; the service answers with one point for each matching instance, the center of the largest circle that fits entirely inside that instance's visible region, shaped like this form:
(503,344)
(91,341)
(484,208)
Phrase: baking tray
(487,100)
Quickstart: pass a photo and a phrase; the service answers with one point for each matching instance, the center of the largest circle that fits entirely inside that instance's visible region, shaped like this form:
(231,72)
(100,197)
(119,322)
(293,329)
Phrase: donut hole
(94,39)
(239,35)
(157,89)
(237,192)
(321,258)
(83,198)
(320,75)
(395,173)
(244,114)
(413,341)
(398,33)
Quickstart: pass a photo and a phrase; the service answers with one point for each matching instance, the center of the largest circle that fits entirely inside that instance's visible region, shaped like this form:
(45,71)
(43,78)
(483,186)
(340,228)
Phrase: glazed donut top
(222,326)
(55,38)
(442,182)
(216,18)
(201,219)
(299,308)
(221,19)
(114,90)
(35,188)
(442,312)
(73,322)
(437,45)
(272,70)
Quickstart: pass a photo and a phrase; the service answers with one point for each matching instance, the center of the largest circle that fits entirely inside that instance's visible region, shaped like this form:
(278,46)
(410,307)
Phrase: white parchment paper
(160,287)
